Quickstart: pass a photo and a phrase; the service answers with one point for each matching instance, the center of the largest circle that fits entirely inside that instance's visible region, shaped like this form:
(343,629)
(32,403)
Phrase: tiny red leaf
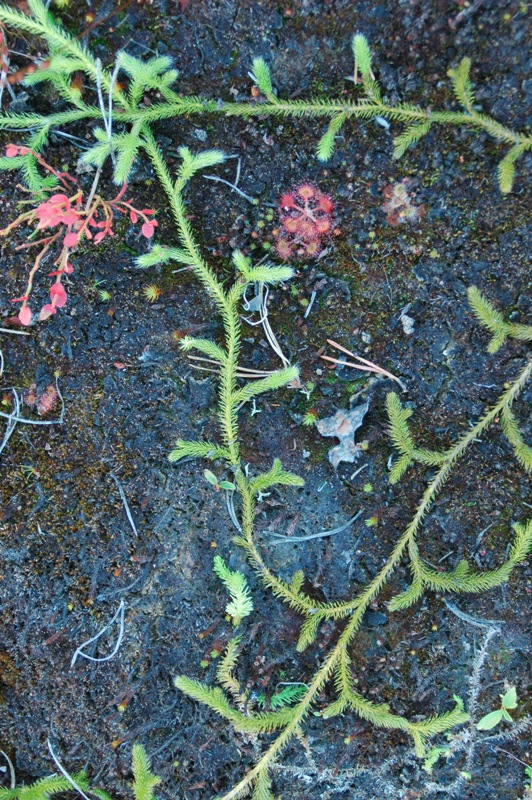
(57,293)
(59,198)
(71,239)
(148,229)
(16,150)
(47,311)
(24,315)
(133,216)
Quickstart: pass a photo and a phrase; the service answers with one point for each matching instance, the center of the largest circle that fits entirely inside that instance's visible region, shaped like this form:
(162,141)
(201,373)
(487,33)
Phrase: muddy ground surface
(68,554)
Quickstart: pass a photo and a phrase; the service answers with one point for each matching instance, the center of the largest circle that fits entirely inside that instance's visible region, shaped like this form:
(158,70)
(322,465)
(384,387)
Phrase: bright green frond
(432,458)
(362,54)
(241,604)
(161,254)
(326,143)
(213,697)
(192,163)
(506,169)
(462,84)
(269,274)
(144,781)
(281,377)
(261,76)
(409,137)
(398,430)
(408,597)
(263,786)
(522,451)
(522,544)
(97,154)
(205,346)
(126,148)
(488,316)
(276,475)
(297,581)
(197,450)
(224,673)
(308,633)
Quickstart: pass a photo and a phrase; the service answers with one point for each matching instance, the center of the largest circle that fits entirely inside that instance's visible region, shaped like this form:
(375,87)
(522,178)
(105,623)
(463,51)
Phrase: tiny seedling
(310,417)
(151,292)
(491,720)
(286,697)
(213,480)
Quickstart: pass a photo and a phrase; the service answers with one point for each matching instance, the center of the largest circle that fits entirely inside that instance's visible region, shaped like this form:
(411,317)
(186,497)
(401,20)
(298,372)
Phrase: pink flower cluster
(73,219)
(306,217)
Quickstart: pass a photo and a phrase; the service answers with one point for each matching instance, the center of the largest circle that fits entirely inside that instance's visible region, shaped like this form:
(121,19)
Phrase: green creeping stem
(338,657)
(67,56)
(230,396)
(407,542)
(329,109)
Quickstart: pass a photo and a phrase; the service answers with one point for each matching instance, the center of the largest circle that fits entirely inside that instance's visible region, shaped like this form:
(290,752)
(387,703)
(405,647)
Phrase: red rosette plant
(306,216)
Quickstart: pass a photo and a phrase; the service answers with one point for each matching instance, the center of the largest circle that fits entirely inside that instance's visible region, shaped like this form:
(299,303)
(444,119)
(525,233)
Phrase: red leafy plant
(67,218)
(42,401)
(306,217)
(399,206)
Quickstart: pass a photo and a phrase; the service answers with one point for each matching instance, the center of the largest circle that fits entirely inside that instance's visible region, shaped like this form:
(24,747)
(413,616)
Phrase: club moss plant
(135,134)
(144,782)
(336,666)
(127,121)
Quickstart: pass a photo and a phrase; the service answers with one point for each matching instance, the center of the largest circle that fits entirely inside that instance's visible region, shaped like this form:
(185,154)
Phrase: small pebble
(408,324)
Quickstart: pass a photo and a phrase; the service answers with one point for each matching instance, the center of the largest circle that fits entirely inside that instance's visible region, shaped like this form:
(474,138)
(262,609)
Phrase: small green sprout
(213,480)
(368,487)
(151,292)
(308,389)
(433,756)
(371,522)
(104,295)
(286,697)
(528,777)
(508,701)
(310,417)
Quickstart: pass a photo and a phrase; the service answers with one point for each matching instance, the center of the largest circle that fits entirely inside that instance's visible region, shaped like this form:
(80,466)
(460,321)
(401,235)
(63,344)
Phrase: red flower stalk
(73,220)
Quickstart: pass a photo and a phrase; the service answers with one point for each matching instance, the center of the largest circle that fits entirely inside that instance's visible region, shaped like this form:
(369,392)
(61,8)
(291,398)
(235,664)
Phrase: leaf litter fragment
(343,425)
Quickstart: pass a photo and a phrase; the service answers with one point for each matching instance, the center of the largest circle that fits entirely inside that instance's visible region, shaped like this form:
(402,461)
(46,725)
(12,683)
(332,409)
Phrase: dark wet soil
(68,553)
